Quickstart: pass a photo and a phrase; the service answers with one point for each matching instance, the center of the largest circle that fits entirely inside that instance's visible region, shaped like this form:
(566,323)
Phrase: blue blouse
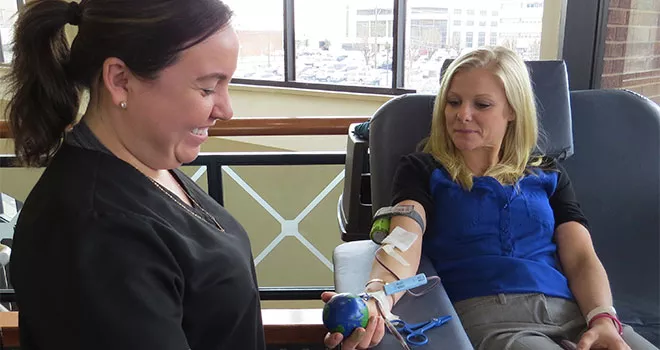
(494,238)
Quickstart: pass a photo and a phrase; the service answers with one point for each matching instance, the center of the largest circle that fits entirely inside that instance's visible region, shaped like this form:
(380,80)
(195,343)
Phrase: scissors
(415,332)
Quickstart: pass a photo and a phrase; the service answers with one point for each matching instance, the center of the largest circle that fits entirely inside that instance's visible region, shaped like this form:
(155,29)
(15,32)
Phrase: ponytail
(47,75)
(44,99)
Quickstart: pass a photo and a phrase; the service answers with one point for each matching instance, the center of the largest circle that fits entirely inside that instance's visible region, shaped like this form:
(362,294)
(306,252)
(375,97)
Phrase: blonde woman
(503,227)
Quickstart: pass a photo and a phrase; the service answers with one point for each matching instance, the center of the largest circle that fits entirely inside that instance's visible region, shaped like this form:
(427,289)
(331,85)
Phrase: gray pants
(528,322)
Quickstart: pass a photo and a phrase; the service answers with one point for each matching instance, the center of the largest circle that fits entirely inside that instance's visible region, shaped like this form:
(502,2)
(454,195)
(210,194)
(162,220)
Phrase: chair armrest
(352,263)
(354,207)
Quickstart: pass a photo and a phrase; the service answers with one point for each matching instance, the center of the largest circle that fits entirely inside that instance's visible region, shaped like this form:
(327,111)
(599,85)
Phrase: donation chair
(616,175)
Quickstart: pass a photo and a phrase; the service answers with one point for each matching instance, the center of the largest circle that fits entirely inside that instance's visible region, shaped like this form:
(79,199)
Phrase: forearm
(589,284)
(412,256)
(585,273)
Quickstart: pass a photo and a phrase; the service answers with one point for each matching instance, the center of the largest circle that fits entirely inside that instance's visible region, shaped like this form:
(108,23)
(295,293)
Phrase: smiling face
(167,119)
(477,112)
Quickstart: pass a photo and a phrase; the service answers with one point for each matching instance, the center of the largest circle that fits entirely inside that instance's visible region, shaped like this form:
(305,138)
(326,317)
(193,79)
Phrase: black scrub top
(105,259)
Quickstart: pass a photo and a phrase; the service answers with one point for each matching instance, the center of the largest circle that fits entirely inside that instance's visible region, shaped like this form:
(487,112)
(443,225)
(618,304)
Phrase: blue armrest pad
(352,263)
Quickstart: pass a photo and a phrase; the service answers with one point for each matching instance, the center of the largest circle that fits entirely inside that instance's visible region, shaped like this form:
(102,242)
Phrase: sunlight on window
(350,42)
(259,25)
(439,30)
(7,18)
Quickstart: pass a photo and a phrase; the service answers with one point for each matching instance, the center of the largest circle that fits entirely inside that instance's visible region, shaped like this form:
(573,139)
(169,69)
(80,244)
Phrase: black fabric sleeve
(563,201)
(131,287)
(412,180)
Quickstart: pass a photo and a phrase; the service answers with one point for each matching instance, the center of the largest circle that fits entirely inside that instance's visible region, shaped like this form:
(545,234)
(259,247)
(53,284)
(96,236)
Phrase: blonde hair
(521,134)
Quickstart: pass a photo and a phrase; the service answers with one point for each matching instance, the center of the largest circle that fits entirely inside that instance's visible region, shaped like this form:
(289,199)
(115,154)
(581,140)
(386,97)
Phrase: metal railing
(215,161)
(293,126)
(213,164)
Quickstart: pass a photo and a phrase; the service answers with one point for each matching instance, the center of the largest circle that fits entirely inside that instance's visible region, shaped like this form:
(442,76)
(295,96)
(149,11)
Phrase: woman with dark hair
(114,247)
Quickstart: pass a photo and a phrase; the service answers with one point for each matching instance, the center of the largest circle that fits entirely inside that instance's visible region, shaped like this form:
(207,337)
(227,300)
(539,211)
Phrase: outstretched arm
(411,187)
(412,255)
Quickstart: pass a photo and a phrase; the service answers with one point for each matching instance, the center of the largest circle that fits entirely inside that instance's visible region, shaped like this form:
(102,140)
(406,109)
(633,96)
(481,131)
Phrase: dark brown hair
(46,76)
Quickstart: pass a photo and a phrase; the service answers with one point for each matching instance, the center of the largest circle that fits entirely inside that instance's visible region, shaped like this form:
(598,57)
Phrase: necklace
(185,206)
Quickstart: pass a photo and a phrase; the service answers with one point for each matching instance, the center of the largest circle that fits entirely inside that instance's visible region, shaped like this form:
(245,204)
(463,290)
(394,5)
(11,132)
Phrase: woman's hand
(602,335)
(361,338)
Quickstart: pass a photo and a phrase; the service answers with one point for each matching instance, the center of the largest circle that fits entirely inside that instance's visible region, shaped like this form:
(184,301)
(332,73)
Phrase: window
(374,12)
(456,39)
(438,10)
(468,39)
(493,39)
(7,19)
(362,29)
(350,45)
(519,28)
(379,29)
(260,30)
(431,38)
(427,33)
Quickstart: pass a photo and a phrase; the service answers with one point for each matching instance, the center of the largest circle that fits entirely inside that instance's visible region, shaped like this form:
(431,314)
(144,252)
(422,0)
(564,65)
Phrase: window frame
(588,25)
(584,49)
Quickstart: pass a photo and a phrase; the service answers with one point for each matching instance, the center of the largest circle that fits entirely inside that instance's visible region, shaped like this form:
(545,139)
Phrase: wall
(552,34)
(256,101)
(632,47)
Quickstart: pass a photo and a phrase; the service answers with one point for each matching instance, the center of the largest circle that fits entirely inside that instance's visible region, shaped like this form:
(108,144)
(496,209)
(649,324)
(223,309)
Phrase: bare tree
(510,43)
(535,49)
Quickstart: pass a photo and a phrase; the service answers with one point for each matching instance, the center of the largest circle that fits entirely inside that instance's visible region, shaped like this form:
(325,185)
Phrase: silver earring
(122,104)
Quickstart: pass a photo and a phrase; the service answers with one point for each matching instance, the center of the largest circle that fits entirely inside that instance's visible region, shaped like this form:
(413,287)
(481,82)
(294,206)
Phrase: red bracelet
(617,323)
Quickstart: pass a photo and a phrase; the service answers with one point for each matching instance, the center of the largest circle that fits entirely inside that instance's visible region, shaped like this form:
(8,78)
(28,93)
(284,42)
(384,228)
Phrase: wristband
(600,310)
(617,323)
(383,303)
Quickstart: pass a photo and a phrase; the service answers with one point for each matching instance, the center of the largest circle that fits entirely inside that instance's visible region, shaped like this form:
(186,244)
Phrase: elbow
(575,249)
(585,264)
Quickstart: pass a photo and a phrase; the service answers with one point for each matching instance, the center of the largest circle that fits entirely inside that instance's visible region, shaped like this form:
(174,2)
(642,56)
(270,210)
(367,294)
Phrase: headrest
(396,129)
(550,83)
